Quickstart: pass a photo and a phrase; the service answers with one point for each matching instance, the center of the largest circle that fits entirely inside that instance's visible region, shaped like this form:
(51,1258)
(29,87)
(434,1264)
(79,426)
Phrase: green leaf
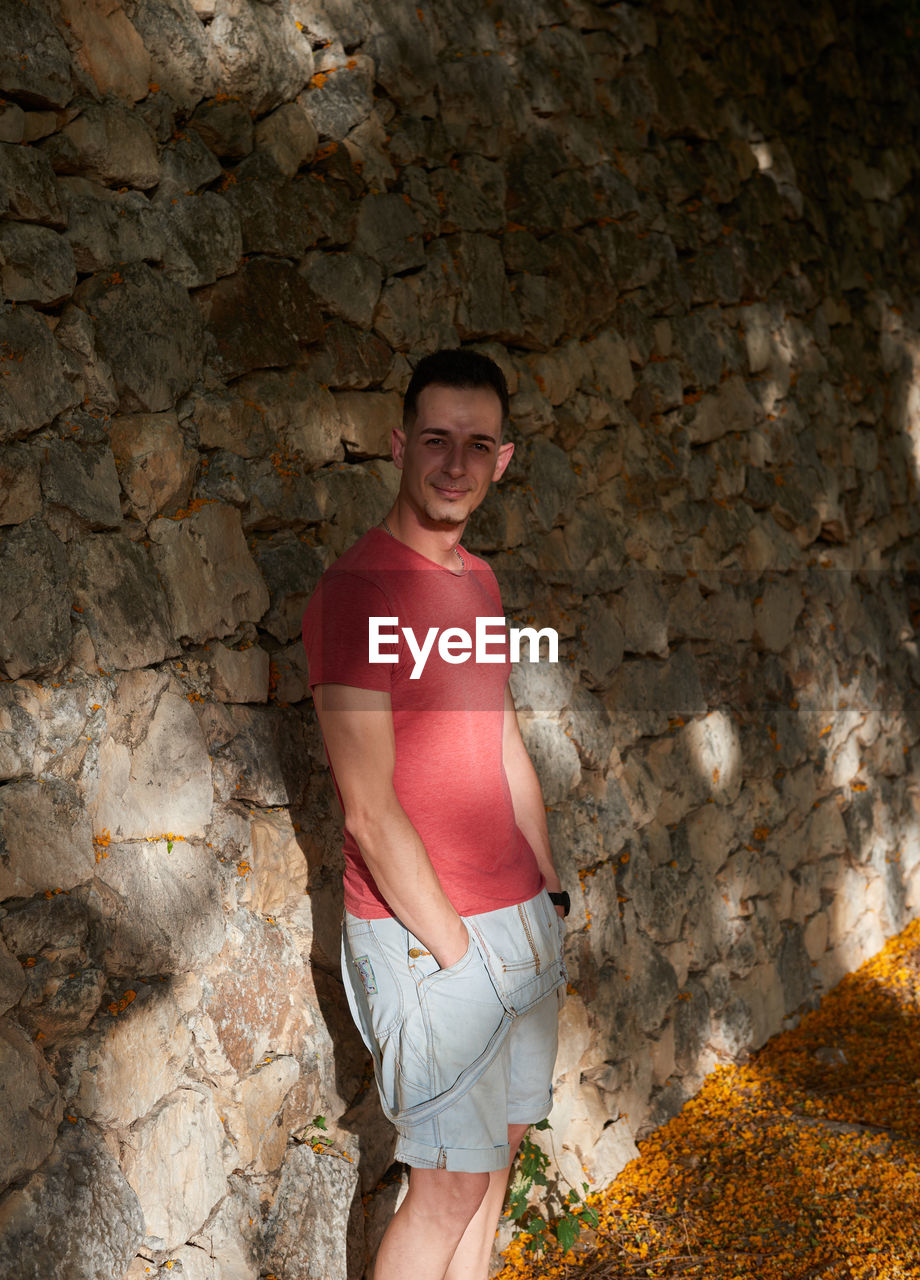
(589,1217)
(567,1229)
(542,1124)
(319,1122)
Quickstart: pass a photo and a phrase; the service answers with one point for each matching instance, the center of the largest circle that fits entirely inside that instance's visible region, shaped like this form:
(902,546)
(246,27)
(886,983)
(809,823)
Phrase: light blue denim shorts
(460,1053)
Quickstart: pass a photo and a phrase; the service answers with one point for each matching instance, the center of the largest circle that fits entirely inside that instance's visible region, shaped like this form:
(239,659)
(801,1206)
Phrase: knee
(451,1198)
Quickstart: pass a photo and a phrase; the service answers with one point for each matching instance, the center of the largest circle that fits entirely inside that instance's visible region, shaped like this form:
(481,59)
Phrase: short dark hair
(454,367)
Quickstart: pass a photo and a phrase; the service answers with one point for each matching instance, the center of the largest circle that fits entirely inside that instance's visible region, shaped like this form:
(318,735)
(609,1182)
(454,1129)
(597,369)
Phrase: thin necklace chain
(393,535)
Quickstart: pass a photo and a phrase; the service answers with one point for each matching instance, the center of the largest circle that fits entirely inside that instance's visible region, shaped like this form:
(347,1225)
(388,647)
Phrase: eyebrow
(442,431)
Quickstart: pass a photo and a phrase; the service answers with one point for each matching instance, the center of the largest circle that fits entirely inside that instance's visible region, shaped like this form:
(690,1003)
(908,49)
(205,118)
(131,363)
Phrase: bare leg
(471,1257)
(428,1225)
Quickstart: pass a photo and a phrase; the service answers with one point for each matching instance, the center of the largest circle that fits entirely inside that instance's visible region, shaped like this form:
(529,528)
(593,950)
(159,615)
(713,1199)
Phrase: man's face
(451,453)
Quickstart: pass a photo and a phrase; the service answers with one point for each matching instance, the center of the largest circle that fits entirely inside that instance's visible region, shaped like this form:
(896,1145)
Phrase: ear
(502,458)
(398,446)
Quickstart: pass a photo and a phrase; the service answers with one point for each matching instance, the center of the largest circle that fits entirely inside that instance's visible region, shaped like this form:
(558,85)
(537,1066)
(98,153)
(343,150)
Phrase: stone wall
(689,235)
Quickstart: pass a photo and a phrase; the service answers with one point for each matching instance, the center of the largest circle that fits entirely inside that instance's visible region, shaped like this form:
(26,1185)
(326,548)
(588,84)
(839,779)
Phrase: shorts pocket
(522,945)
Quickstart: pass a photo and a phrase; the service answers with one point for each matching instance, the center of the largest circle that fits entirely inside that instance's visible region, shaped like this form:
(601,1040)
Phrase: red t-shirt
(447,715)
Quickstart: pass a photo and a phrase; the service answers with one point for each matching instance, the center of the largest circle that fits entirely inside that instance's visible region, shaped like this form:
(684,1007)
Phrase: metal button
(414,952)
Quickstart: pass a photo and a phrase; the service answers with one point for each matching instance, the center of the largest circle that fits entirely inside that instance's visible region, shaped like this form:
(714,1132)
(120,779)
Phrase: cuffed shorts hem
(453,1159)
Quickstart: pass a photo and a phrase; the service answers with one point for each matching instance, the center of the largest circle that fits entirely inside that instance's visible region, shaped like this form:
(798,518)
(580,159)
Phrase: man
(451,945)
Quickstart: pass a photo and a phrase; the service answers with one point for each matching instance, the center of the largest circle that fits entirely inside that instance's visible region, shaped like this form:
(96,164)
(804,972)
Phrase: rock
(259,749)
(64,1004)
(602,642)
(253,1114)
(253,994)
(33,375)
(486,307)
(44,77)
(231,1239)
(33,572)
(76,1216)
(262,60)
(83,481)
(139,1057)
(106,228)
(613,373)
(543,689)
(175,1161)
(349,357)
(471,197)
(389,233)
(30,1108)
(186,165)
(299,1240)
(12,122)
(211,581)
(259,317)
(119,598)
(295,412)
(206,239)
(239,675)
(731,408)
(109,48)
(168,918)
(278,866)
(288,136)
(415,312)
(645,695)
(588,725)
(148,331)
(75,333)
(341,94)
(368,420)
(154,772)
(644,616)
(183,61)
(554,757)
(45,838)
(225,127)
(347,284)
(228,420)
(552,483)
(12,979)
(107,142)
(155,465)
(19,712)
(291,568)
(776,612)
(287,219)
(20,495)
(36,265)
(289,671)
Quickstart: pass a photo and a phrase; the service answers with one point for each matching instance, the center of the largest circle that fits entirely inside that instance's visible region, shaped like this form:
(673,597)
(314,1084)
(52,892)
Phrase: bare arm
(357,727)
(526,796)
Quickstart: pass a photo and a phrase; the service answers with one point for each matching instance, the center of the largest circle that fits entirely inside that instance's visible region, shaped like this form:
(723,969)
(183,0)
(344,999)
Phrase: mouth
(450,493)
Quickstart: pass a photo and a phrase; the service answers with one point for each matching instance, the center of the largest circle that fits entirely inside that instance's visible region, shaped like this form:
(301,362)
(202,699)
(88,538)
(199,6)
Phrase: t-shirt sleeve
(336,633)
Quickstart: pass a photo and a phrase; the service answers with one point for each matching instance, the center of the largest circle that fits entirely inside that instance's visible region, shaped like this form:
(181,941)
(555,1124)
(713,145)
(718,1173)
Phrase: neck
(437,543)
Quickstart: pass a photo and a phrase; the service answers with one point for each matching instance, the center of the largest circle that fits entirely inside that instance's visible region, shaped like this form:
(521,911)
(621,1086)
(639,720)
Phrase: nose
(452,463)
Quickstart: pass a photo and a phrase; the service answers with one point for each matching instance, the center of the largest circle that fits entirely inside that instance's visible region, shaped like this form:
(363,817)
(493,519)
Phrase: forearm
(530,814)
(398,861)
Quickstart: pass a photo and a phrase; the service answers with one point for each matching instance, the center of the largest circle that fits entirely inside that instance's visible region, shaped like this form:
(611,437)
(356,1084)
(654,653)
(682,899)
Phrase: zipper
(526,923)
